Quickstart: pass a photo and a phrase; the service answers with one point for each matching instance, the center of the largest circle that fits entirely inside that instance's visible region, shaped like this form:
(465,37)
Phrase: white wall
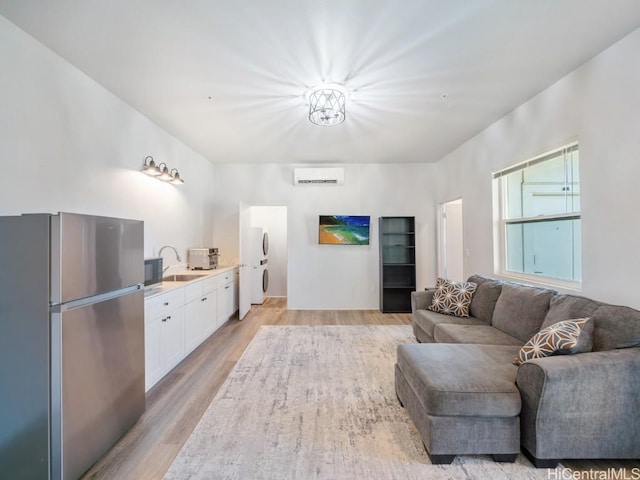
(274,221)
(599,104)
(67,144)
(330,276)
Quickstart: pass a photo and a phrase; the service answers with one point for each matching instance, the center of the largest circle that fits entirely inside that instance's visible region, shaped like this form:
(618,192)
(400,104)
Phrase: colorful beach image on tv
(344,230)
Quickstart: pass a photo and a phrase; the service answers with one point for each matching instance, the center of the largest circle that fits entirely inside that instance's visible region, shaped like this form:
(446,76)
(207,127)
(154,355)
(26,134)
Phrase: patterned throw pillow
(452,298)
(562,338)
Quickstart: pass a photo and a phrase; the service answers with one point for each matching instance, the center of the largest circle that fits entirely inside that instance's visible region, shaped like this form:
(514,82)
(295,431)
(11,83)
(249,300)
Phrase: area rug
(318,402)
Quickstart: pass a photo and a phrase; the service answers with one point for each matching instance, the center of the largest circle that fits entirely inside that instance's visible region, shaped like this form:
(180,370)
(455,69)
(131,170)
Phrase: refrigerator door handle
(63,307)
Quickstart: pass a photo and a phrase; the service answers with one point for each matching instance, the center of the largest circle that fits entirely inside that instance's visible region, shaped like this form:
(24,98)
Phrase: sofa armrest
(581,406)
(421,299)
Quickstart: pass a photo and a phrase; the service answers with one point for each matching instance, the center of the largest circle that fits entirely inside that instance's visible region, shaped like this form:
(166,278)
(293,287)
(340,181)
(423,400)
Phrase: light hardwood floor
(176,403)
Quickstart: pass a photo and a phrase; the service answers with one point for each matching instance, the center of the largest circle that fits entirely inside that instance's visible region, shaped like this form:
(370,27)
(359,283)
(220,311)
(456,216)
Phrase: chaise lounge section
(466,396)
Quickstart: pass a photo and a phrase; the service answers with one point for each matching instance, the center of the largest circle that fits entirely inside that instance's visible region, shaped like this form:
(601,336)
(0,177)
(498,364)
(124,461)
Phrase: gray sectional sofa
(465,395)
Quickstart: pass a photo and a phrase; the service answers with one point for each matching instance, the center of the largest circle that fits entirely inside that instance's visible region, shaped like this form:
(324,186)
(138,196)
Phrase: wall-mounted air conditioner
(318,176)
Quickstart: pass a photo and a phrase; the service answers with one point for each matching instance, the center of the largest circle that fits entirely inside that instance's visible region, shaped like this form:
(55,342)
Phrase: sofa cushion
(473,380)
(566,307)
(615,327)
(485,297)
(427,320)
(520,310)
(476,334)
(421,299)
(561,338)
(452,298)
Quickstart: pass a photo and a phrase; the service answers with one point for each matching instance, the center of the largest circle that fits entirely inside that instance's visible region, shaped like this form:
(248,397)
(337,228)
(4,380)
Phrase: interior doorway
(272,220)
(450,241)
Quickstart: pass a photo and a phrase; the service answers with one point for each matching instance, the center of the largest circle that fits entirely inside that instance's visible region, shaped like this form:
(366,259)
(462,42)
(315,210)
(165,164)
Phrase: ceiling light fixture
(161,172)
(327,104)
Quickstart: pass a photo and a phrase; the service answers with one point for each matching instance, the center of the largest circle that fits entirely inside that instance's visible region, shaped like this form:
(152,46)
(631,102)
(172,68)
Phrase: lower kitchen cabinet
(163,335)
(209,302)
(177,321)
(225,295)
(236,289)
(200,312)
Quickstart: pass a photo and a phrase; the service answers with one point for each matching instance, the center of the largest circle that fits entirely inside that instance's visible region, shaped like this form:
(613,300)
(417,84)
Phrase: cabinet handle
(166,304)
(164,319)
(203,299)
(227,287)
(169,317)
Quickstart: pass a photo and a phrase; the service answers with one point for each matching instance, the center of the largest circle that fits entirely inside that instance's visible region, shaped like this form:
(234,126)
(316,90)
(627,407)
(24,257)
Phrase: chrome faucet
(174,250)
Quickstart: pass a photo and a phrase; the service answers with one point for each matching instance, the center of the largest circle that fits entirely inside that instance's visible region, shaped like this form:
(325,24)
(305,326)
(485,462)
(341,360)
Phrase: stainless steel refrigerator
(71,341)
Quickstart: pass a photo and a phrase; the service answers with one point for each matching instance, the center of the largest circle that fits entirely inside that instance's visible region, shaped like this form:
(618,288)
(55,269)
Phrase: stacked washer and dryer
(259,272)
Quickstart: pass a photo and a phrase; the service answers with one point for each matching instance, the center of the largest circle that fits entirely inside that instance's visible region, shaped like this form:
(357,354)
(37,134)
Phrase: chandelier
(327,104)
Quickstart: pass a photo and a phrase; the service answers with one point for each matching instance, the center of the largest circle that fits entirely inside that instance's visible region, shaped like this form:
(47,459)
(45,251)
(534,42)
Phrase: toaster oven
(203,258)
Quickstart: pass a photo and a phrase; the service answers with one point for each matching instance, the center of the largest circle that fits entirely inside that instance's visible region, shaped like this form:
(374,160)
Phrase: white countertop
(158,288)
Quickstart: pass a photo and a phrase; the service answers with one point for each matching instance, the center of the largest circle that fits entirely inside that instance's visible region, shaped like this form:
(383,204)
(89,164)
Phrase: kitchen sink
(184,277)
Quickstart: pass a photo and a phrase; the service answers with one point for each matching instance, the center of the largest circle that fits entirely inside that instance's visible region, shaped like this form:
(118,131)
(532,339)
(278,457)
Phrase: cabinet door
(223,305)
(172,339)
(194,330)
(209,314)
(152,356)
(229,294)
(236,294)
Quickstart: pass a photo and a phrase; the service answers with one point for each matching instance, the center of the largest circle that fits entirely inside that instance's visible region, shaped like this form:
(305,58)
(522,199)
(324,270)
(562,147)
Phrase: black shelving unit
(397,263)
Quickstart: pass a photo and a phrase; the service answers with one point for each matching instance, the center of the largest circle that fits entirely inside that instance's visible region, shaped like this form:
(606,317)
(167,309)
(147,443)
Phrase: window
(539,218)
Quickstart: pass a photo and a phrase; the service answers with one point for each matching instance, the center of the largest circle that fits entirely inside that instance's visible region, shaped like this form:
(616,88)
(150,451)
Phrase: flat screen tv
(344,230)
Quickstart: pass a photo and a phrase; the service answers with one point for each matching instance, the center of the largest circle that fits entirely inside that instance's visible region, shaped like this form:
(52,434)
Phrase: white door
(450,245)
(245,259)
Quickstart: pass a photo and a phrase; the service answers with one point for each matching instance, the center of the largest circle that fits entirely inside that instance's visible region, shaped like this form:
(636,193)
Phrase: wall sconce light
(161,172)
(175,177)
(150,168)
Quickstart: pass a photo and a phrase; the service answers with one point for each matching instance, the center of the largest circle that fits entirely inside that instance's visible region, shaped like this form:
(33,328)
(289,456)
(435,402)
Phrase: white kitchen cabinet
(236,289)
(209,303)
(225,303)
(227,295)
(193,327)
(164,334)
(179,320)
(172,339)
(152,353)
(200,312)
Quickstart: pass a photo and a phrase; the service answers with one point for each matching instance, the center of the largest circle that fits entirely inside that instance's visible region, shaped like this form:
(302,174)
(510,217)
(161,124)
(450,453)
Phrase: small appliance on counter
(203,258)
(153,271)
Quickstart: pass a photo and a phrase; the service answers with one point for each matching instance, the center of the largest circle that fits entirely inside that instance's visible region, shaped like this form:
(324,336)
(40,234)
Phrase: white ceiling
(228,77)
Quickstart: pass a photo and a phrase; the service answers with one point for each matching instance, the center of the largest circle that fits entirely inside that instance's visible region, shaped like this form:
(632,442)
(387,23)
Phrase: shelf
(396,301)
(397,263)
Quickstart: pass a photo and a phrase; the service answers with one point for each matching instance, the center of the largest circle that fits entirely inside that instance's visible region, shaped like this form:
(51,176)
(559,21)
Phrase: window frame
(501,221)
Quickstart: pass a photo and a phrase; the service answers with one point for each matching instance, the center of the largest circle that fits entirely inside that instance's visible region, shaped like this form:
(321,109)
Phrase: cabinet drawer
(193,291)
(210,284)
(224,278)
(163,304)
